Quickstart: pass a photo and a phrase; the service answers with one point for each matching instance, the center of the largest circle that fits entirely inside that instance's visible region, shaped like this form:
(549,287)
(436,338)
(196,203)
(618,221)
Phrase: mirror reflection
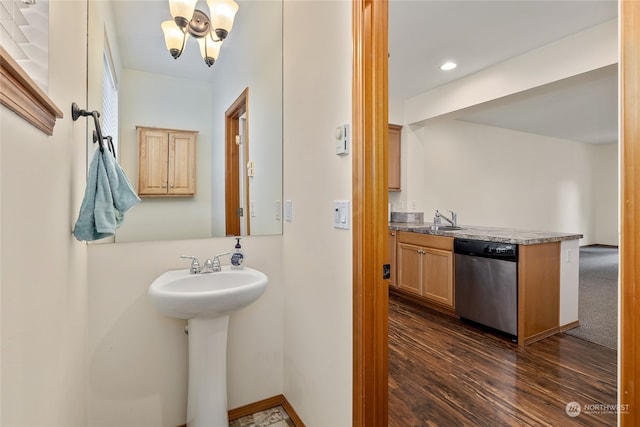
(232,110)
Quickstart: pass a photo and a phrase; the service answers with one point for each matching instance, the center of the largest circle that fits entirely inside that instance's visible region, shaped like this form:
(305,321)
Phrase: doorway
(237,221)
(370,101)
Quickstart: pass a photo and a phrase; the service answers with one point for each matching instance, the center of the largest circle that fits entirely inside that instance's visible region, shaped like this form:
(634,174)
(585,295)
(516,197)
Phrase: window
(109,102)
(24,62)
(24,34)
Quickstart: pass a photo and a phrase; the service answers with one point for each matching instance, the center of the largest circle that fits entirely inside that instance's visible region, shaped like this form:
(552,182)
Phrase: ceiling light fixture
(448,66)
(187,20)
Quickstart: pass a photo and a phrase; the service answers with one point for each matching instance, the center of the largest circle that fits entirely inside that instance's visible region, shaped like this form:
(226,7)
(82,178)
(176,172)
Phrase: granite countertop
(491,234)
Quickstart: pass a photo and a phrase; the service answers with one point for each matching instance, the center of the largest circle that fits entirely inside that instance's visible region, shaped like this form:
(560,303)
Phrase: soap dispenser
(237,259)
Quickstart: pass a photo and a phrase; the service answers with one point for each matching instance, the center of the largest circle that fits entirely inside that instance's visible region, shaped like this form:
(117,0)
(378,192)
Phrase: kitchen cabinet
(166,162)
(425,267)
(538,292)
(395,136)
(392,257)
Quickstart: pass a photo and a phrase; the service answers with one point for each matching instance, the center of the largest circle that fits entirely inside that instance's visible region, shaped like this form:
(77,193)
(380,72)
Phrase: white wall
(43,268)
(502,178)
(317,258)
(143,104)
(253,62)
(138,357)
(606,202)
(296,339)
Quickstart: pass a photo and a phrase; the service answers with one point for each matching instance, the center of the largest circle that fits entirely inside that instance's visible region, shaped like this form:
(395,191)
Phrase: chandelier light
(187,20)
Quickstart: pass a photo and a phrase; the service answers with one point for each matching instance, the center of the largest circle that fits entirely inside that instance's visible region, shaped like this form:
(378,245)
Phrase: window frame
(20,94)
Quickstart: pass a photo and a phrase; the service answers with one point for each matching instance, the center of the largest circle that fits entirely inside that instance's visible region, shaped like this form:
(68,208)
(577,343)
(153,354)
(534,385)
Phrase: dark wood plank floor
(445,372)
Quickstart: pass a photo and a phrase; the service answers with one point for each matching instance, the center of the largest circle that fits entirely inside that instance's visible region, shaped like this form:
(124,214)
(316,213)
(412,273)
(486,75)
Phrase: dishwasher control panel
(481,248)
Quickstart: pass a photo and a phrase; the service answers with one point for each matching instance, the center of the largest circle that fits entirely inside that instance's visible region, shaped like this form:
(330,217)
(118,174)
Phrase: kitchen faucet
(454,218)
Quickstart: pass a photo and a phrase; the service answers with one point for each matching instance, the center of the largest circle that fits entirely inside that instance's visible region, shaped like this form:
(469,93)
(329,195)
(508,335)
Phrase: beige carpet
(598,305)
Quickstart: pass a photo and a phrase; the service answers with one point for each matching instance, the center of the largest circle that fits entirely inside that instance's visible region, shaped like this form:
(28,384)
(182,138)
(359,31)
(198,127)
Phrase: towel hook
(77,112)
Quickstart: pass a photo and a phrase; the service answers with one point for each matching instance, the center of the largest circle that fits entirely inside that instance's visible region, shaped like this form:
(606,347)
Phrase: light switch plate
(341,214)
(278,210)
(342,140)
(288,210)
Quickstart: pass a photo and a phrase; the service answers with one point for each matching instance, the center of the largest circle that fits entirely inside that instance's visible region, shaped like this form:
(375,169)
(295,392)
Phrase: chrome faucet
(210,266)
(454,218)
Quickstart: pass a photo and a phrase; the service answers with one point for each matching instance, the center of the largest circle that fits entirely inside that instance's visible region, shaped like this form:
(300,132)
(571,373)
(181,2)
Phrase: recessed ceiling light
(447,66)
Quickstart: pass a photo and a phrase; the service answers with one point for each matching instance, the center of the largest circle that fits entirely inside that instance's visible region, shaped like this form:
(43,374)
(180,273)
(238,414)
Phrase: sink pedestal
(207,398)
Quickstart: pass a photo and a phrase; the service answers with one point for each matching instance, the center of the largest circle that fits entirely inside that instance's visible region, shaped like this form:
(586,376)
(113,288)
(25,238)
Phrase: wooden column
(629,381)
(370,180)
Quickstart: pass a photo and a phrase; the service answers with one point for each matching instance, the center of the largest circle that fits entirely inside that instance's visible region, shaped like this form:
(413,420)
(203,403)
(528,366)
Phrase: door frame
(370,315)
(370,227)
(232,169)
(629,351)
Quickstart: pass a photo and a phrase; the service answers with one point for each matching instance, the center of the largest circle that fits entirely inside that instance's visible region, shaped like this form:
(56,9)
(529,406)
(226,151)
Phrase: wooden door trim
(629,380)
(232,183)
(370,230)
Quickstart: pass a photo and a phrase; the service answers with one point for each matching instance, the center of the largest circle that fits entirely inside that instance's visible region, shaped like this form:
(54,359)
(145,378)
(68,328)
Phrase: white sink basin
(179,294)
(207,300)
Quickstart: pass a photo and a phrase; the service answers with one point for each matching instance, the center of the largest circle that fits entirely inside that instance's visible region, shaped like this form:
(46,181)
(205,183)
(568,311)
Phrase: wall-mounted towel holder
(77,112)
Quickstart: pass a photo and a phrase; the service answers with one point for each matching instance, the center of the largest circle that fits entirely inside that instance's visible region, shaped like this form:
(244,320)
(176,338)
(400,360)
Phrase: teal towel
(107,196)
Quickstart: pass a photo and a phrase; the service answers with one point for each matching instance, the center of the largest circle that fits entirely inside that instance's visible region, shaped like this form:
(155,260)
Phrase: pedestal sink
(207,300)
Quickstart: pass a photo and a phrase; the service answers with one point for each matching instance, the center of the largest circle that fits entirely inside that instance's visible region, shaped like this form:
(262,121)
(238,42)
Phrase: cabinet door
(395,136)
(182,163)
(392,257)
(153,159)
(438,276)
(409,268)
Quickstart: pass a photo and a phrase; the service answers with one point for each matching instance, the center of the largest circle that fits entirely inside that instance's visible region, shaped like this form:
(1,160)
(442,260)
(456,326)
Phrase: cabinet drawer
(427,240)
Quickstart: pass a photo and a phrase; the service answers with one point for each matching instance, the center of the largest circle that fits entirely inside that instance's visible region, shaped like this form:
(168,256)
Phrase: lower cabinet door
(409,268)
(438,276)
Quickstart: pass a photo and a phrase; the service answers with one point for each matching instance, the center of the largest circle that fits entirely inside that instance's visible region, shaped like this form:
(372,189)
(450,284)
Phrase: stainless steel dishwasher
(486,283)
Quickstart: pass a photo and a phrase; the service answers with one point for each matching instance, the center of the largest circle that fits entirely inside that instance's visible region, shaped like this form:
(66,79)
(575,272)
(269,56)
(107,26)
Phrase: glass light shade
(209,49)
(222,14)
(173,37)
(182,8)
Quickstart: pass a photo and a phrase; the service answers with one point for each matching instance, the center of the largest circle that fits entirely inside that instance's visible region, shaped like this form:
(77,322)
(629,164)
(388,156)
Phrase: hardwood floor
(445,372)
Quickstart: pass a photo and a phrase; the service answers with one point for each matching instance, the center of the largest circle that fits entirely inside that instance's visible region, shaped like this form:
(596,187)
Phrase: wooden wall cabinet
(395,136)
(425,267)
(166,162)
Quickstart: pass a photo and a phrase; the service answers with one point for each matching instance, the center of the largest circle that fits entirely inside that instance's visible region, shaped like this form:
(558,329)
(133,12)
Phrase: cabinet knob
(171,185)
(164,185)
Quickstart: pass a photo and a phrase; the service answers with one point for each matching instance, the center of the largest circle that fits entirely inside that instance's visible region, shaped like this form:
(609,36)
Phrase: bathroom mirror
(156,90)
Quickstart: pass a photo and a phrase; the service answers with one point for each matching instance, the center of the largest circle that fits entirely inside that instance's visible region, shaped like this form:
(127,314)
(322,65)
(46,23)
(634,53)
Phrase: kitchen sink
(446,228)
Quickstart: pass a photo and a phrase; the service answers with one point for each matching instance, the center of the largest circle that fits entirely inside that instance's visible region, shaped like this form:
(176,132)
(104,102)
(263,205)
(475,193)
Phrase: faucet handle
(216,261)
(195,265)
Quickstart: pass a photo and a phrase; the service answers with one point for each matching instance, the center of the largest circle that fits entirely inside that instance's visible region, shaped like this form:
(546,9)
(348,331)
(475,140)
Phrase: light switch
(250,168)
(288,210)
(252,208)
(342,140)
(341,214)
(278,210)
